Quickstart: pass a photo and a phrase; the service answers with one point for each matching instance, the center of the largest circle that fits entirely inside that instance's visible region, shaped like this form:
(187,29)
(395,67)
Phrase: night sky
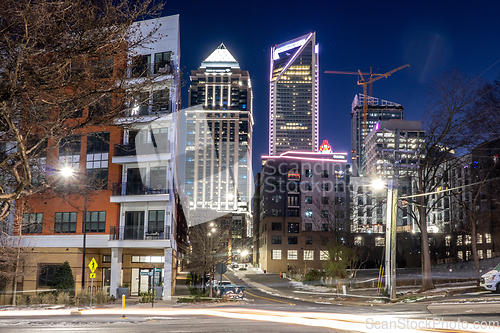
(431,36)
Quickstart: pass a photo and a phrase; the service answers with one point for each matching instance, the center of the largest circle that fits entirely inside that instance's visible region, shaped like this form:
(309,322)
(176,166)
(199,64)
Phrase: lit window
(459,240)
(479,239)
(468,239)
(460,255)
(308,254)
(488,253)
(308,213)
(292,254)
(488,238)
(480,254)
(323,255)
(379,241)
(276,254)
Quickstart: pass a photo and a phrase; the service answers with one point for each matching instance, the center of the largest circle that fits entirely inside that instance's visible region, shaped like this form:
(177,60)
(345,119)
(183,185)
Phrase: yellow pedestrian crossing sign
(93,265)
(92,275)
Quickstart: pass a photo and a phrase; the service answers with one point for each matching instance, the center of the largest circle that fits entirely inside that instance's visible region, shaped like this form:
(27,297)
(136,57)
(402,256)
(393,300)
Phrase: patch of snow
(303,286)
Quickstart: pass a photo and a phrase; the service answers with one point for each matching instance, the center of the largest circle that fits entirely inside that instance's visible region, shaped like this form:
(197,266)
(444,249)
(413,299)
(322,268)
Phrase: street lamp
(390,233)
(68,172)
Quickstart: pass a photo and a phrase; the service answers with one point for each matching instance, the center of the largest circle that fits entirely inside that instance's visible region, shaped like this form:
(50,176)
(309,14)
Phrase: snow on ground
(308,287)
(443,288)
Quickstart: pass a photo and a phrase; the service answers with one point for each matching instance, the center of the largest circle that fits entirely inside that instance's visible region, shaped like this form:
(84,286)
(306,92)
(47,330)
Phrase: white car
(491,280)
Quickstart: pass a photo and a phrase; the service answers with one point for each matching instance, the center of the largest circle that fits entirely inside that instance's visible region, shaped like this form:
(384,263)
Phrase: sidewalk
(181,290)
(273,284)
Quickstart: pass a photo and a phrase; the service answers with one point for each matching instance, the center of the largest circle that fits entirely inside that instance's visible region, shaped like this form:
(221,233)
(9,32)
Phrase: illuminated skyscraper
(219,136)
(377,110)
(293,96)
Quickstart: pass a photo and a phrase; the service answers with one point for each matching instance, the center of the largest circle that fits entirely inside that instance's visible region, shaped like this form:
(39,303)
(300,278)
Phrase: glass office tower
(218,175)
(293,96)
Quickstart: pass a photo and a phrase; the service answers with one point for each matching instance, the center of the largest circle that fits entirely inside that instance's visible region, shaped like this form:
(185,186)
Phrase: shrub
(313,275)
(100,297)
(63,298)
(48,298)
(22,300)
(63,278)
(35,299)
(243,269)
(148,297)
(82,299)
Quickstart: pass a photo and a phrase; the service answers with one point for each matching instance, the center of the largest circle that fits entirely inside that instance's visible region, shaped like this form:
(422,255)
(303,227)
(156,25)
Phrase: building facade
(123,214)
(219,123)
(303,209)
(377,110)
(294,96)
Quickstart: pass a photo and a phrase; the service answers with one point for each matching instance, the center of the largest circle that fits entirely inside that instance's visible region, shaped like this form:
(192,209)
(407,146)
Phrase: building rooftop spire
(220,57)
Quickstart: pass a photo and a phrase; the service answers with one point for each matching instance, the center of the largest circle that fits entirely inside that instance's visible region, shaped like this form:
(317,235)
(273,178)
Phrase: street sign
(93,265)
(143,273)
(221,268)
(157,269)
(92,275)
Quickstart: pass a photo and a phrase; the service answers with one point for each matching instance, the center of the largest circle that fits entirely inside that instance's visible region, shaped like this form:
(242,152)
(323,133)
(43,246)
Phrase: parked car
(491,280)
(214,283)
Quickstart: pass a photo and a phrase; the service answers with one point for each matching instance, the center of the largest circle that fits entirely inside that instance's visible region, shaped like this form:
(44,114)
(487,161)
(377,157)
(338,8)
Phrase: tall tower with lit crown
(294,96)
(219,135)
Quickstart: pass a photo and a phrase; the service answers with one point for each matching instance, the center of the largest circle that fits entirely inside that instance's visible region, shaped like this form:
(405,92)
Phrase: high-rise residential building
(393,148)
(126,220)
(294,96)
(377,110)
(304,208)
(218,173)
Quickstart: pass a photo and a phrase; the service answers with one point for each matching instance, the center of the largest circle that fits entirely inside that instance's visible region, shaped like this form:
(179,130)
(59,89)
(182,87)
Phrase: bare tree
(208,247)
(63,67)
(330,222)
(447,127)
(475,200)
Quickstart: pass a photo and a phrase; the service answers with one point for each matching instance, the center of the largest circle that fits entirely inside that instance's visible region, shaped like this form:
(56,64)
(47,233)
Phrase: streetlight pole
(84,238)
(66,173)
(390,238)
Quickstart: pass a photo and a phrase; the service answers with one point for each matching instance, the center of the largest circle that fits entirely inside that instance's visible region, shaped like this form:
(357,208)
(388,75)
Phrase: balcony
(143,149)
(138,237)
(138,192)
(137,188)
(138,233)
(145,152)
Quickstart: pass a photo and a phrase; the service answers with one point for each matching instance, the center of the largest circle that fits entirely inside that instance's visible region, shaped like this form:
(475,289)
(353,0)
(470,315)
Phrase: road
(134,324)
(265,312)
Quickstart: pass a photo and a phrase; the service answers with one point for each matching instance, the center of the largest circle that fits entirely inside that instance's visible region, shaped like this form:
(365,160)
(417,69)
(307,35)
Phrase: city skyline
(426,35)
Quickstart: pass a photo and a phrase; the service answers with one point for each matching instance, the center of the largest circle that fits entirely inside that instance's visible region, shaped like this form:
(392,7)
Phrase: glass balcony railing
(139,233)
(143,149)
(138,188)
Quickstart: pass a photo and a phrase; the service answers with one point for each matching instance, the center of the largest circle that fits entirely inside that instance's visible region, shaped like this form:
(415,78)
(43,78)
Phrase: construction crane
(371,77)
